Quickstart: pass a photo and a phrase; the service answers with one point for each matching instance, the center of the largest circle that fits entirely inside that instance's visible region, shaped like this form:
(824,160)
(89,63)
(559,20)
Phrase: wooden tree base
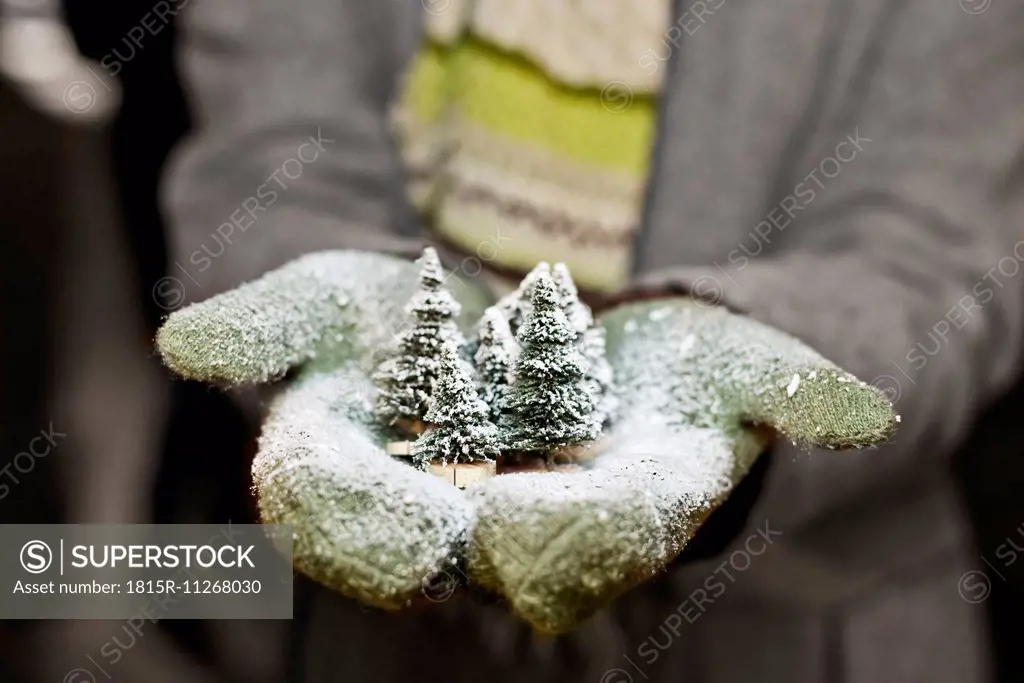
(564,459)
(402,448)
(462,475)
(580,452)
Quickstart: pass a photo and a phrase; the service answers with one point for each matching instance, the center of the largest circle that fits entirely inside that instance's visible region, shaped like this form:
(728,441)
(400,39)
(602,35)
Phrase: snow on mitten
(701,392)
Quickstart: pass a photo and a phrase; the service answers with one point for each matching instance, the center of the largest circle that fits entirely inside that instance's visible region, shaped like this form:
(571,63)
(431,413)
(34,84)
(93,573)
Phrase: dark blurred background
(83,247)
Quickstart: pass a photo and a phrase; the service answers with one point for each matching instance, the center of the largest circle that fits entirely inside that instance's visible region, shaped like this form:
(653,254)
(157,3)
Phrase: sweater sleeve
(292,151)
(908,270)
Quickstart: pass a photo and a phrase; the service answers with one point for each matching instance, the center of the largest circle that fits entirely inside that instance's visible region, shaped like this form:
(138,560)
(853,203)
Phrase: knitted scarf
(527,130)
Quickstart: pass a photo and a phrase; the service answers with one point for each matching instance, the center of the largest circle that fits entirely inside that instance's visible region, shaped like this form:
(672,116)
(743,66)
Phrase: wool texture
(525,117)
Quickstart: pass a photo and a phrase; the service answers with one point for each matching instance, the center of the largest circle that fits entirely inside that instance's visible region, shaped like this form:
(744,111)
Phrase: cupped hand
(701,391)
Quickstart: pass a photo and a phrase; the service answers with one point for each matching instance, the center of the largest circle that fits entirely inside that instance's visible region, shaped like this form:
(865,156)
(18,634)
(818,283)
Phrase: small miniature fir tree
(494,360)
(598,375)
(405,378)
(549,404)
(461,430)
(575,310)
(515,306)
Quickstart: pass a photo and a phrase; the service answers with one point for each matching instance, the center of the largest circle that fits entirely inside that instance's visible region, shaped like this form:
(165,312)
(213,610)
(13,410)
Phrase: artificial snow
(687,345)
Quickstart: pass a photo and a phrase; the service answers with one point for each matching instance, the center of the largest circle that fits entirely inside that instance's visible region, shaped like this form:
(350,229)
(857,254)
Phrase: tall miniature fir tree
(549,404)
(405,379)
(598,376)
(590,340)
(461,430)
(494,359)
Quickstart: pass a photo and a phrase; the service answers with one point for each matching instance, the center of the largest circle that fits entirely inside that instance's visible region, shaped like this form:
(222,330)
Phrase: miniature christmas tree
(599,374)
(405,379)
(550,404)
(494,360)
(575,310)
(461,430)
(515,306)
(590,340)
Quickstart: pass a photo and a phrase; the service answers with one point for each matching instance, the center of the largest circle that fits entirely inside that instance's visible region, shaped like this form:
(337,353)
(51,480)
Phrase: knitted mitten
(701,390)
